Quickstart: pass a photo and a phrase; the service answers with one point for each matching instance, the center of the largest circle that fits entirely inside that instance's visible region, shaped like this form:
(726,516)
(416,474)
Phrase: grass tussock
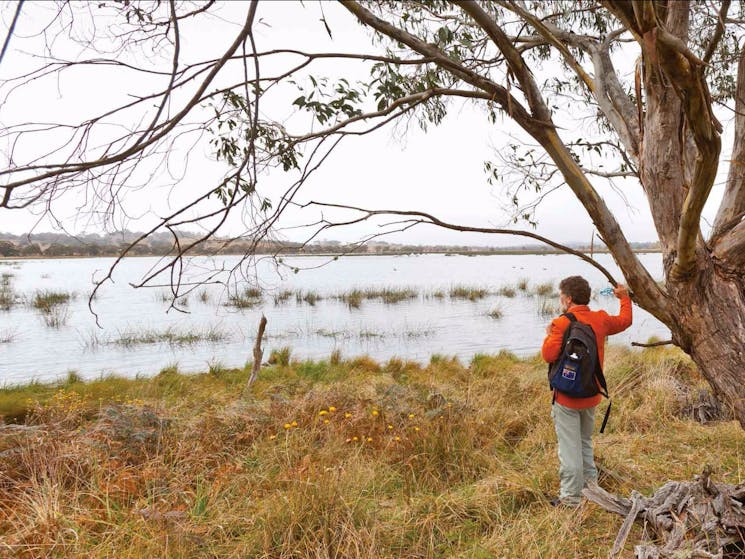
(467,292)
(249,298)
(172,336)
(545,290)
(388,295)
(342,458)
(46,300)
(8,297)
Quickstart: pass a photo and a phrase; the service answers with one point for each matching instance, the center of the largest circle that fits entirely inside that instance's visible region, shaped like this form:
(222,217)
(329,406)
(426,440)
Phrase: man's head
(573,290)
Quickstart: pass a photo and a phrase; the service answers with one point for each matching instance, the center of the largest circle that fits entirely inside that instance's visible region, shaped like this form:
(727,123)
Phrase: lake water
(414,329)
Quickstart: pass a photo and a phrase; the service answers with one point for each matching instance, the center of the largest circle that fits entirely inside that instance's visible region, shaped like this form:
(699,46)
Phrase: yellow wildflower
(287,426)
(332,409)
(375,412)
(397,439)
(411,416)
(369,439)
(347,415)
(416,429)
(323,412)
(390,427)
(355,439)
(294,423)
(326,422)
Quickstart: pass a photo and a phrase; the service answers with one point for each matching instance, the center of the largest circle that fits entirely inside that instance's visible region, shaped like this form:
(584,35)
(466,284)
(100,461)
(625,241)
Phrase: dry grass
(339,458)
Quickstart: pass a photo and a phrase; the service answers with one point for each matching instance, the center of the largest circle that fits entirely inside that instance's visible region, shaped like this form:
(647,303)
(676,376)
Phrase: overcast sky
(440,171)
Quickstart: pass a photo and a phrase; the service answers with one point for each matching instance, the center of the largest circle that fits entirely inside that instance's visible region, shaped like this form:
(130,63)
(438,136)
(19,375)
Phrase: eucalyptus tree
(626,90)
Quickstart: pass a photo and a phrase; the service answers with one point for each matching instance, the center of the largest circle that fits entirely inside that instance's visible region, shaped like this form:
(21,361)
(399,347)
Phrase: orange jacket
(602,324)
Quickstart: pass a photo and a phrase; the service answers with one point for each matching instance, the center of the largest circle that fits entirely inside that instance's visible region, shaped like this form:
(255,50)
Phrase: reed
(8,297)
(545,290)
(56,316)
(549,307)
(466,292)
(246,299)
(282,296)
(7,335)
(46,300)
(171,336)
(308,297)
(496,313)
(507,291)
(388,295)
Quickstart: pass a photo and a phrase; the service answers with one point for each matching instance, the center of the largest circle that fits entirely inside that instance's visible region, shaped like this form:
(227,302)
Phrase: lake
(138,336)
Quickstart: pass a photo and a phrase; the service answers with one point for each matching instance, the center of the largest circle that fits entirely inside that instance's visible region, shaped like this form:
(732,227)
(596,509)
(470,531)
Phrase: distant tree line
(54,245)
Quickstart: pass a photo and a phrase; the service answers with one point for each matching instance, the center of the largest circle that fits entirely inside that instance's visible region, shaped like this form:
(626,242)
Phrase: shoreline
(489,252)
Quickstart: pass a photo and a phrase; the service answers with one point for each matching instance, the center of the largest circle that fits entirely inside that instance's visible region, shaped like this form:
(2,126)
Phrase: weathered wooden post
(258,353)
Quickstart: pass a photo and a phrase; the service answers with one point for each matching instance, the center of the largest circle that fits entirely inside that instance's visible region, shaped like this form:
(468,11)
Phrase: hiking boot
(564,503)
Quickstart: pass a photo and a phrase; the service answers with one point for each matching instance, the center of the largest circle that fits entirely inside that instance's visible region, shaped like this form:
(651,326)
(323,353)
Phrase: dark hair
(577,288)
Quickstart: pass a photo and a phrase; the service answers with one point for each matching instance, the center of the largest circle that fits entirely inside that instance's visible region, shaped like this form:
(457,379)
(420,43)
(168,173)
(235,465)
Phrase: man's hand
(548,329)
(621,291)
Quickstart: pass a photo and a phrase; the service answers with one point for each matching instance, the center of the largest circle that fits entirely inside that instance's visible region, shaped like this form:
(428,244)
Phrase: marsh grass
(507,291)
(56,316)
(308,297)
(172,336)
(282,296)
(466,292)
(496,313)
(248,298)
(46,300)
(343,458)
(522,284)
(387,295)
(549,307)
(280,356)
(8,297)
(545,290)
(8,335)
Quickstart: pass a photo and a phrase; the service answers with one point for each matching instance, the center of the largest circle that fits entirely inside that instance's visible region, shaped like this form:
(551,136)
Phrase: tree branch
(732,206)
(730,249)
(426,218)
(498,93)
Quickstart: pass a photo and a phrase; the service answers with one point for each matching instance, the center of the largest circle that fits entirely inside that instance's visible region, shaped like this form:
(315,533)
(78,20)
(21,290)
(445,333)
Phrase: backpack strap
(564,340)
(571,318)
(605,419)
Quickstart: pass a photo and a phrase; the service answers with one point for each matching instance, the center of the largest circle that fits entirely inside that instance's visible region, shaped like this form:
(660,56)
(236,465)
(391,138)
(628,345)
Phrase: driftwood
(697,519)
(258,353)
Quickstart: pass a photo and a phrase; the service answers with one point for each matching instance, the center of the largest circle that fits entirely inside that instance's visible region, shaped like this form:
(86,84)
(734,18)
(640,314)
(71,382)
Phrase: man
(574,418)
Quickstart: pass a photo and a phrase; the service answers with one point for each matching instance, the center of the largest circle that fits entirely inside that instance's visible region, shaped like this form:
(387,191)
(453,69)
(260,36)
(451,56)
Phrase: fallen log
(696,519)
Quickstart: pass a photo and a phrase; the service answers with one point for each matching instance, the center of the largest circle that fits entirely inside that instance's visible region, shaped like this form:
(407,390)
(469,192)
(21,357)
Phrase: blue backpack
(577,372)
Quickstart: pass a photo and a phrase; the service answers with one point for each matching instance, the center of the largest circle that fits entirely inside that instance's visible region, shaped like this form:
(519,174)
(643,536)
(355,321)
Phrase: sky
(439,171)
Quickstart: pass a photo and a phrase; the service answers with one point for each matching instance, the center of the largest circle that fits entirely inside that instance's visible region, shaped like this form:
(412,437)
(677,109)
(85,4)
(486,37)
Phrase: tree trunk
(709,325)
(705,310)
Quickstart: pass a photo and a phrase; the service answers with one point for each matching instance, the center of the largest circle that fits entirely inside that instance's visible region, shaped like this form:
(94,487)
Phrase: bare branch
(11,29)
(653,344)
(423,217)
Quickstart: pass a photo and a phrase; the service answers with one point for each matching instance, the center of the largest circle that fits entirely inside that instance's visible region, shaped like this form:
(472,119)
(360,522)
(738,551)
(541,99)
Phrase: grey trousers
(576,463)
